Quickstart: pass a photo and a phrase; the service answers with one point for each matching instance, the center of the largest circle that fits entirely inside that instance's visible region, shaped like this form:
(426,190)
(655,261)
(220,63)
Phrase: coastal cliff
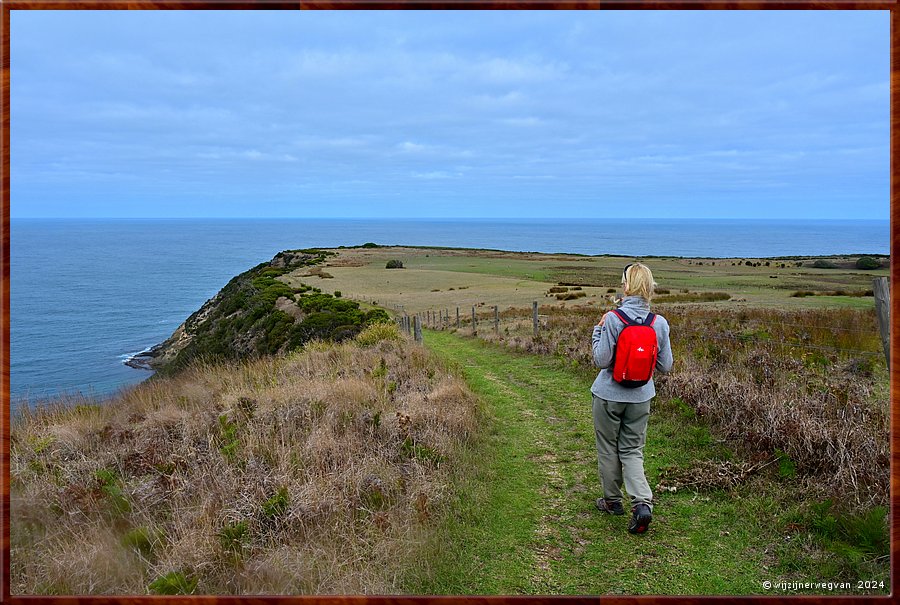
(257,313)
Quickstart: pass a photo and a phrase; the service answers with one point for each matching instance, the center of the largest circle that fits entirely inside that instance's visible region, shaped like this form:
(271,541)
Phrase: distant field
(446,278)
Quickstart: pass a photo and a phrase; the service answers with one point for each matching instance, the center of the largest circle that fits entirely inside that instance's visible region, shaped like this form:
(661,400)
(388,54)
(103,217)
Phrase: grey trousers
(621,431)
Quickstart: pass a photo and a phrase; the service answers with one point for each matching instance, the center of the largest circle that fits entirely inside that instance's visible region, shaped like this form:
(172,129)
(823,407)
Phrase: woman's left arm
(664,359)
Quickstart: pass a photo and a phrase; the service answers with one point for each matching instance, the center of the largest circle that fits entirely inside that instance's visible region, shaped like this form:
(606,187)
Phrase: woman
(621,412)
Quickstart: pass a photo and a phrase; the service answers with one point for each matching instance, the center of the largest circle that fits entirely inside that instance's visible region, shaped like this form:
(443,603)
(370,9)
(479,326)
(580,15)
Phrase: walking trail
(525,521)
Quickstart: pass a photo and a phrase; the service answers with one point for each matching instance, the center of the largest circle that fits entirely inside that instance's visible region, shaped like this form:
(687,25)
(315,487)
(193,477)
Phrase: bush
(867,262)
(377,332)
(571,295)
(824,264)
(233,537)
(337,294)
(394,264)
(173,582)
(370,245)
(277,505)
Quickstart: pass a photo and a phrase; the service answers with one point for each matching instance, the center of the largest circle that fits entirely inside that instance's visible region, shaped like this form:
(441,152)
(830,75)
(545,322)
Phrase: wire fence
(490,322)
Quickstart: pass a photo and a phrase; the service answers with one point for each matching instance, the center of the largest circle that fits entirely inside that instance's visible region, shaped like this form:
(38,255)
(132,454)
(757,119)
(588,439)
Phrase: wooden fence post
(474,321)
(882,293)
(418,329)
(534,317)
(496,319)
(458,323)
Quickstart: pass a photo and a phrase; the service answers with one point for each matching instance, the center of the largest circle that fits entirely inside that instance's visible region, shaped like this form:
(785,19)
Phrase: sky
(421,114)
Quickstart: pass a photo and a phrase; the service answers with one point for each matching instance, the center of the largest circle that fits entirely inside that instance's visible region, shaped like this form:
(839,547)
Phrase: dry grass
(806,386)
(319,473)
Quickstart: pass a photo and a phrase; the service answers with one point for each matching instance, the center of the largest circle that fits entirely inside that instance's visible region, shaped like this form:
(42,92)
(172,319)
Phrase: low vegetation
(867,263)
(258,314)
(810,384)
(320,472)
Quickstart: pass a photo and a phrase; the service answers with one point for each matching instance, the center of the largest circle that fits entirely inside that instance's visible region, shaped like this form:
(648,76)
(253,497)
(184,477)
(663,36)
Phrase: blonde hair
(640,281)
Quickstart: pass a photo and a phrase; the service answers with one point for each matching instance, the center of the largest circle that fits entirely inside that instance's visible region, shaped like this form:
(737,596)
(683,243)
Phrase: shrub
(173,582)
(111,487)
(277,505)
(228,439)
(337,294)
(571,295)
(394,264)
(378,332)
(824,264)
(369,245)
(233,536)
(143,540)
(867,262)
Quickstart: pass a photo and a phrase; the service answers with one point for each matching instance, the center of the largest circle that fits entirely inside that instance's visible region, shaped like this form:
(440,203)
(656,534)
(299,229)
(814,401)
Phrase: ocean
(87,294)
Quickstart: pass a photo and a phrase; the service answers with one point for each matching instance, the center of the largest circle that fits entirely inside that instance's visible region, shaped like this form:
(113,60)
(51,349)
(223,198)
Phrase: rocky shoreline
(143,360)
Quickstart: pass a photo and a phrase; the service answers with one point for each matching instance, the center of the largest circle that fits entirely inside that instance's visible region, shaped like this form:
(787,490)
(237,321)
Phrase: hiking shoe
(610,506)
(640,518)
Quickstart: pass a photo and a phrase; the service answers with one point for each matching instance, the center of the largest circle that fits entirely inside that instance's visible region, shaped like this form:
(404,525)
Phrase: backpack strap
(648,321)
(624,317)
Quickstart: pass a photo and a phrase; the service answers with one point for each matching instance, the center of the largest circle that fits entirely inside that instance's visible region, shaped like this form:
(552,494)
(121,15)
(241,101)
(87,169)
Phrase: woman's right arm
(603,344)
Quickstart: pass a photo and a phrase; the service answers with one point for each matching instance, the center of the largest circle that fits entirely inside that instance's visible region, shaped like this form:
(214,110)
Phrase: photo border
(9,5)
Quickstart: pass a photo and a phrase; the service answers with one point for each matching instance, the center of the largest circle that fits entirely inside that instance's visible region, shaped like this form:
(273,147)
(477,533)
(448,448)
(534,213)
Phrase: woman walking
(622,392)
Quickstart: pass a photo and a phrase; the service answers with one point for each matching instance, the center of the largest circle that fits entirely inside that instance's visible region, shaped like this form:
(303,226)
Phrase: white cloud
(410,147)
(437,174)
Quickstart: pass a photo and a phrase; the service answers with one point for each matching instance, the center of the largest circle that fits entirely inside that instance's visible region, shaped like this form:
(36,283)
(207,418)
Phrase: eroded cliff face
(257,313)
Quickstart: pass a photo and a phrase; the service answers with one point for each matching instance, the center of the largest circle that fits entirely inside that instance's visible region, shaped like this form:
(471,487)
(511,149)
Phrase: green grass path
(524,520)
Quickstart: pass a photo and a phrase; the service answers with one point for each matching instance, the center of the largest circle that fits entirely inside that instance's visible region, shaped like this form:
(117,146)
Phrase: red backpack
(636,350)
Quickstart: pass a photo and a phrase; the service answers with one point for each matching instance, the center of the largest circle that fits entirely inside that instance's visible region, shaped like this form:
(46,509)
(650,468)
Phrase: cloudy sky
(771,114)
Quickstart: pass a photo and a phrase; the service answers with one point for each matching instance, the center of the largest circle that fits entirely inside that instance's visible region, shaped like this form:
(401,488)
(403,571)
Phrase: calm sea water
(86,294)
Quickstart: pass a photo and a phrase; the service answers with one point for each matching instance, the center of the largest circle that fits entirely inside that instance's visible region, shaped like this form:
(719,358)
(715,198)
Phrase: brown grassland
(312,473)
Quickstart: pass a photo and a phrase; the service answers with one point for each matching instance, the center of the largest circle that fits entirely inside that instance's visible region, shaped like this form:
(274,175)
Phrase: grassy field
(433,278)
(524,520)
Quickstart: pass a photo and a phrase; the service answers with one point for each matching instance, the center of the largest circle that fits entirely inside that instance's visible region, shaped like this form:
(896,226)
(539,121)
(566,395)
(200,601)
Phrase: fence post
(474,321)
(418,329)
(534,317)
(458,323)
(882,293)
(496,319)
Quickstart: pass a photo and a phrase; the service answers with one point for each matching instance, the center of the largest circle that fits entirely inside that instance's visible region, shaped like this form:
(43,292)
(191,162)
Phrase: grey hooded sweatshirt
(603,345)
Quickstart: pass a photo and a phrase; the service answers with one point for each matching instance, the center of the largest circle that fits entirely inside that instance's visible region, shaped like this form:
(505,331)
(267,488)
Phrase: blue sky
(713,114)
